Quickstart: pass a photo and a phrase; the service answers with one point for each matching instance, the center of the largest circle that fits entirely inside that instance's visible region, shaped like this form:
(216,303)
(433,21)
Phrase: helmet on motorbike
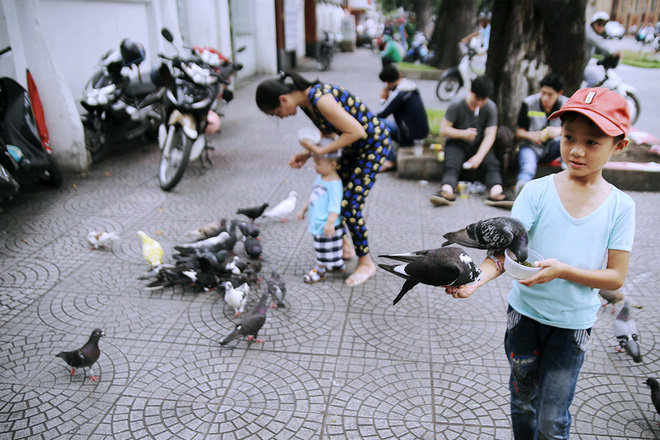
(600,16)
(132,52)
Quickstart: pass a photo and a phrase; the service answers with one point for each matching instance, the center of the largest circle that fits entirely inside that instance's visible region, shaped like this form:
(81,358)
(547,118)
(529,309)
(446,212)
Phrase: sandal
(341,268)
(356,278)
(443,199)
(314,276)
(500,200)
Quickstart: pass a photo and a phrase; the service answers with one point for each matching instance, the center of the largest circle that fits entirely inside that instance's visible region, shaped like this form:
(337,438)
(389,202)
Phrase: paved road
(338,363)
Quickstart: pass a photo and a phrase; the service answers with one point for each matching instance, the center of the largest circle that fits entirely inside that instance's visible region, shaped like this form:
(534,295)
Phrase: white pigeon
(284,208)
(231,266)
(235,298)
(98,239)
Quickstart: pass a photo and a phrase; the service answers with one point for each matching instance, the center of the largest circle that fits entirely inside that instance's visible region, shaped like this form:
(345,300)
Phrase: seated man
(539,137)
(470,128)
(393,52)
(402,99)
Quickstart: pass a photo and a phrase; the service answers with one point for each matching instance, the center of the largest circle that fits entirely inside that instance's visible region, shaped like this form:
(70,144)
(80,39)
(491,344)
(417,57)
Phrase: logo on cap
(589,97)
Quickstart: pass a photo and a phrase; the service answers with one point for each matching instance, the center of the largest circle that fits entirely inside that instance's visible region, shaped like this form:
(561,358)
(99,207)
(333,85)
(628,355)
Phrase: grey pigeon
(625,331)
(252,247)
(436,267)
(213,244)
(655,392)
(247,229)
(613,297)
(494,234)
(251,323)
(86,356)
(276,288)
(254,212)
(284,208)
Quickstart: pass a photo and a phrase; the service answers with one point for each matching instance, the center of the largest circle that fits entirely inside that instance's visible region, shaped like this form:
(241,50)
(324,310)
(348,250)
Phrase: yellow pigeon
(151,249)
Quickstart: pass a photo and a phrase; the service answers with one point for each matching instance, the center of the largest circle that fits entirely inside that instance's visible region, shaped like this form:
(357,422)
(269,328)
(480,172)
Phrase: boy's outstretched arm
(611,278)
(489,271)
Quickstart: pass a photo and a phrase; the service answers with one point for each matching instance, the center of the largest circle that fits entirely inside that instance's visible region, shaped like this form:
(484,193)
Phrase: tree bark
(422,14)
(455,19)
(529,39)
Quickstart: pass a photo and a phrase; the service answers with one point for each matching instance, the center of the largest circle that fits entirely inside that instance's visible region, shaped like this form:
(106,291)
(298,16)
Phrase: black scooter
(23,158)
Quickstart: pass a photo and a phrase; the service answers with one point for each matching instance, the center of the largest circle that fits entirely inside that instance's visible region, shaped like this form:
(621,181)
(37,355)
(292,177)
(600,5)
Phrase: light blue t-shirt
(326,198)
(582,243)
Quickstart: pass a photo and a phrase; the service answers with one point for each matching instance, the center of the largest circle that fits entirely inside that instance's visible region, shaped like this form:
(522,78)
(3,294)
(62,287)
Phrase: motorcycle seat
(139,89)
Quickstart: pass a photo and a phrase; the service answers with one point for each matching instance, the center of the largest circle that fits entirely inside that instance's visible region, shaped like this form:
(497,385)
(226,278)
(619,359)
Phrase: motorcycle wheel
(172,168)
(447,88)
(52,176)
(634,107)
(96,143)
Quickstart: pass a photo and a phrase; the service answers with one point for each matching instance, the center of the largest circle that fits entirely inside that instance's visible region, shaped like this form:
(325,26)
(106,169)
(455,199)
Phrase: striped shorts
(329,249)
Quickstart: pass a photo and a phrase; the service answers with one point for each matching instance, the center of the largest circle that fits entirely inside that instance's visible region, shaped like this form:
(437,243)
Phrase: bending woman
(363,138)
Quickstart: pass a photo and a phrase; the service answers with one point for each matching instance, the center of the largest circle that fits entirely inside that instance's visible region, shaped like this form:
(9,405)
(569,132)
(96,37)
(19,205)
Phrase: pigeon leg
(92,378)
(613,309)
(261,341)
(273,305)
(284,220)
(73,370)
(237,314)
(498,264)
(619,349)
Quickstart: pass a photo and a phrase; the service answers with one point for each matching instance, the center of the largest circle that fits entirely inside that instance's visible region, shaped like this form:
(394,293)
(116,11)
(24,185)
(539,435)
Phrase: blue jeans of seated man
(394,135)
(545,362)
(529,161)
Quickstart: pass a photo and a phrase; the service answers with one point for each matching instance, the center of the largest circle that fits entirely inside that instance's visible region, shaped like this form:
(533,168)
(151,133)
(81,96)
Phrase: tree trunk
(529,39)
(455,19)
(422,14)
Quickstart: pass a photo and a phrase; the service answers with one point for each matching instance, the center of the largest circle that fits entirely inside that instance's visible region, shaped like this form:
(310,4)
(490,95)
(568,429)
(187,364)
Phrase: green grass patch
(641,59)
(415,66)
(435,117)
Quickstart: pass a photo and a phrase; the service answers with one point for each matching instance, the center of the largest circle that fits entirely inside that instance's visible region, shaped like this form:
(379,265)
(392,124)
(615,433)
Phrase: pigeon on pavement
(436,267)
(251,323)
(213,244)
(151,249)
(613,297)
(252,247)
(655,392)
(625,330)
(98,239)
(284,208)
(86,356)
(247,229)
(235,298)
(254,212)
(276,289)
(494,234)
(208,230)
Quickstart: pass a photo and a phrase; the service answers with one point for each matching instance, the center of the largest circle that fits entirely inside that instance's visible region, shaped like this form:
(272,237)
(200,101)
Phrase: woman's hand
(298,160)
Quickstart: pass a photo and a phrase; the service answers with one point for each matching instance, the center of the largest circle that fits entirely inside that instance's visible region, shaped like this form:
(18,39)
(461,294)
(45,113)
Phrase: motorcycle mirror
(241,49)
(167,34)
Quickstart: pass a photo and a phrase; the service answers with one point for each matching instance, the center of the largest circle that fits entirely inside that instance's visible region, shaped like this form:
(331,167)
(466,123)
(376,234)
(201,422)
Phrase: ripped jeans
(545,362)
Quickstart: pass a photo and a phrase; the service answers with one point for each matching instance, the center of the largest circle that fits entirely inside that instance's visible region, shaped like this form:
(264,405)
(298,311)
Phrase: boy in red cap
(577,221)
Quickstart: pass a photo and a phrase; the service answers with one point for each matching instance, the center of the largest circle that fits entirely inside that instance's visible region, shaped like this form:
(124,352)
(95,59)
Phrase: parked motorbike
(119,108)
(23,158)
(191,94)
(469,67)
(611,80)
(326,52)
(418,50)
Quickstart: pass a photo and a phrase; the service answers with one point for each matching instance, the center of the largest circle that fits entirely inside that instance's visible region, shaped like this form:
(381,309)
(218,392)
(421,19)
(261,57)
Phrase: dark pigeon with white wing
(436,267)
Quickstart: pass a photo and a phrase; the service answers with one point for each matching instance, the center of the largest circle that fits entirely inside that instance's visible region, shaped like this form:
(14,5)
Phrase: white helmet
(600,15)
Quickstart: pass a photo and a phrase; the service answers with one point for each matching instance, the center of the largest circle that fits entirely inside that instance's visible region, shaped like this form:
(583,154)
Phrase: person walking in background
(470,129)
(539,137)
(324,207)
(577,221)
(363,138)
(401,98)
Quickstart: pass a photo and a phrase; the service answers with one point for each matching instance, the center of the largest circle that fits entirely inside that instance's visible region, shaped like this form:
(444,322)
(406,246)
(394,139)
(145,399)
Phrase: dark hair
(390,73)
(572,116)
(553,80)
(270,90)
(483,87)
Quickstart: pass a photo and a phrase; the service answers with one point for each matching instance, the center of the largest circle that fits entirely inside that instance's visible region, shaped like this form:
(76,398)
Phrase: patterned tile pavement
(339,363)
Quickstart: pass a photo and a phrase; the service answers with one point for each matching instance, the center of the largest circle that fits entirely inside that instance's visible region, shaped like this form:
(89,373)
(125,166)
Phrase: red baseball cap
(606,108)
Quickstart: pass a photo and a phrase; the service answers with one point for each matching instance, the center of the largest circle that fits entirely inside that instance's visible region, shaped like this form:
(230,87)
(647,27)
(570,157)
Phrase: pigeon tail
(409,284)
(231,336)
(396,269)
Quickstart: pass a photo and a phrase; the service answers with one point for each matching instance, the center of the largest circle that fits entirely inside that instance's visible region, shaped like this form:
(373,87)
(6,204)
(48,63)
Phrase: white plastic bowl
(311,134)
(520,271)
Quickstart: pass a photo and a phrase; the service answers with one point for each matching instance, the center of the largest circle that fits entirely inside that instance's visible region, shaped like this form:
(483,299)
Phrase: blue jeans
(394,135)
(529,161)
(545,362)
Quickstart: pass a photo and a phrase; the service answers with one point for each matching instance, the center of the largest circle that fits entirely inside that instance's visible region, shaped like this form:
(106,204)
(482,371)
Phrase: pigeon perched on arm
(251,323)
(235,298)
(284,208)
(276,289)
(655,392)
(436,267)
(86,356)
(625,330)
(494,234)
(151,250)
(254,212)
(98,239)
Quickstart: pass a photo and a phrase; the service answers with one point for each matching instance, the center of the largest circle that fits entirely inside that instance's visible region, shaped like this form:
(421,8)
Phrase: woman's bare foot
(347,249)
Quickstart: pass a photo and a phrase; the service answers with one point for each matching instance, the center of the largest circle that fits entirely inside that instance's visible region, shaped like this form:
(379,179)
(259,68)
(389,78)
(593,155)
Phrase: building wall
(638,12)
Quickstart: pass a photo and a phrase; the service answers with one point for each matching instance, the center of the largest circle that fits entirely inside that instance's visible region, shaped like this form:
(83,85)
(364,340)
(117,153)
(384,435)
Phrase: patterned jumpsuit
(359,162)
